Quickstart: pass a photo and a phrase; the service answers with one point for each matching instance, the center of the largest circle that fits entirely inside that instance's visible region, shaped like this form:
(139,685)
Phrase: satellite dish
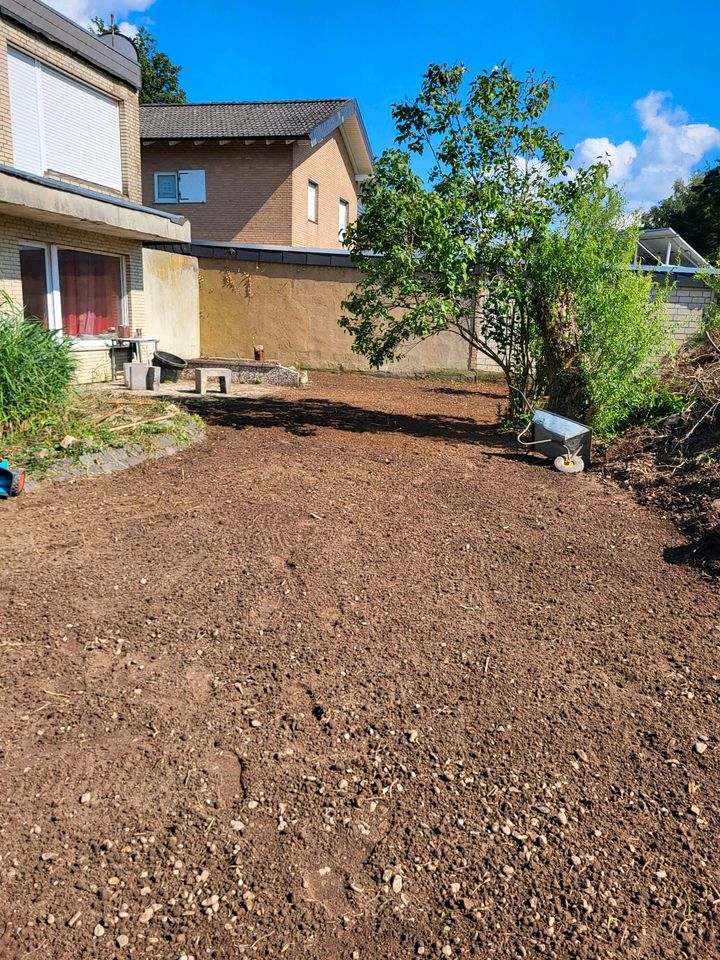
(120,44)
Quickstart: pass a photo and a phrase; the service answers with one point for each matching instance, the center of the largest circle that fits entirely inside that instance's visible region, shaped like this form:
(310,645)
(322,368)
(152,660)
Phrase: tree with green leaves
(503,243)
(453,253)
(160,76)
(693,210)
(602,326)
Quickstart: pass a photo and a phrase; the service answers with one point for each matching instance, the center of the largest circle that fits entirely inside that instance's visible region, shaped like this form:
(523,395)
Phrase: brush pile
(675,463)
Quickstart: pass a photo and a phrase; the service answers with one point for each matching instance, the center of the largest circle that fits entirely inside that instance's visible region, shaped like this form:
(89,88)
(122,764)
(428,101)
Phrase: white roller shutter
(25,113)
(82,131)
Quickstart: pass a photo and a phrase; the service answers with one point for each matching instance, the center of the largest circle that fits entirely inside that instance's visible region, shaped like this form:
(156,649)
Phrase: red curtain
(90,293)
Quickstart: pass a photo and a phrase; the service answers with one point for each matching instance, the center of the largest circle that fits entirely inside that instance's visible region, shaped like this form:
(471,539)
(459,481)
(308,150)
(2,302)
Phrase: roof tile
(290,119)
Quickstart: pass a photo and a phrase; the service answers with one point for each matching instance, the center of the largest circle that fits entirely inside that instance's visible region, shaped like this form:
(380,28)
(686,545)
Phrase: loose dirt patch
(352,678)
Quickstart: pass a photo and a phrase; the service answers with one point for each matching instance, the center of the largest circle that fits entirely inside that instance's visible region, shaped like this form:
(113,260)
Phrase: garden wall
(172,301)
(686,303)
(292,309)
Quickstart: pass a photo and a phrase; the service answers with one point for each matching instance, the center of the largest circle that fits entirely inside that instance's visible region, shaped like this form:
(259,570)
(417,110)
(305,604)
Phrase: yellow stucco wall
(293,312)
(171,302)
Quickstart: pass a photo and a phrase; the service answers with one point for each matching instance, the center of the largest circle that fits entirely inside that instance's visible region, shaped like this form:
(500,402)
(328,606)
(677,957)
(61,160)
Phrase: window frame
(40,66)
(343,205)
(167,173)
(52,272)
(316,205)
(178,197)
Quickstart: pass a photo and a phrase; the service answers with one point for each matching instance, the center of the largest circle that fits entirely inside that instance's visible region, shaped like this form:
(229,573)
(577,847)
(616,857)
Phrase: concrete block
(138,376)
(153,378)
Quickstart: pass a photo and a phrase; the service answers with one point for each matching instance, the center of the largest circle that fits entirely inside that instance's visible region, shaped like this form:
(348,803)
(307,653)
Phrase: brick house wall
(92,364)
(55,56)
(91,354)
(257,192)
(248,188)
(329,166)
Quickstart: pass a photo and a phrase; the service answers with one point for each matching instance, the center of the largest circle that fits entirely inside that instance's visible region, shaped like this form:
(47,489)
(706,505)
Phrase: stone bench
(223,374)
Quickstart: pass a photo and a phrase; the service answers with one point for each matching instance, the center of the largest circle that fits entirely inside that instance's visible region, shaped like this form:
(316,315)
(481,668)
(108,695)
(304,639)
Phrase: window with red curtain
(90,293)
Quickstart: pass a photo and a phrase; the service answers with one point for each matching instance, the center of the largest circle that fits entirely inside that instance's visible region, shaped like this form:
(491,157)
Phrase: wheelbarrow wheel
(18,482)
(565,464)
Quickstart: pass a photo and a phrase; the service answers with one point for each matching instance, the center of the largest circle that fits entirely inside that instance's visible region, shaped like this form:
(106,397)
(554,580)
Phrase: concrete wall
(172,308)
(292,310)
(55,56)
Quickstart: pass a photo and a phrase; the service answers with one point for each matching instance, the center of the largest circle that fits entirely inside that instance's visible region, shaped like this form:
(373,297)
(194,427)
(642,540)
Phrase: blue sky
(612,64)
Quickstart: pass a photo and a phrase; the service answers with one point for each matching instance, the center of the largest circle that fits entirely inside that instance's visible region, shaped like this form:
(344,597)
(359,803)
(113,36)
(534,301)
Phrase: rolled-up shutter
(25,113)
(82,131)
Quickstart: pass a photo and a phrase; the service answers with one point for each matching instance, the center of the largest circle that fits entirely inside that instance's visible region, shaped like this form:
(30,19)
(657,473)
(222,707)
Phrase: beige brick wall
(54,56)
(328,165)
(248,189)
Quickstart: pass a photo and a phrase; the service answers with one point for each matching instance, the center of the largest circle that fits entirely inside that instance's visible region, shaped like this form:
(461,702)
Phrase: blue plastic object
(11,481)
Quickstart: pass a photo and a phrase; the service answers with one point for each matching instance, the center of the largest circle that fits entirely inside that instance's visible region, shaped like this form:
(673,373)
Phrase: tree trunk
(562,371)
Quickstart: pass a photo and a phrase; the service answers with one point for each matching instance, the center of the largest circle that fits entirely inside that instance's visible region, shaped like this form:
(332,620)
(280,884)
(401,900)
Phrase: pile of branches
(675,463)
(697,375)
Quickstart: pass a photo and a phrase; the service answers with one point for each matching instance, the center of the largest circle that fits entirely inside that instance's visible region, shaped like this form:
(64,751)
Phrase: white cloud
(82,11)
(670,150)
(620,157)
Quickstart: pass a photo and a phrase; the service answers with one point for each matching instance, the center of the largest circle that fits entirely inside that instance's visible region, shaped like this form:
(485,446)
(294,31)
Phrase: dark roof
(258,253)
(271,119)
(53,26)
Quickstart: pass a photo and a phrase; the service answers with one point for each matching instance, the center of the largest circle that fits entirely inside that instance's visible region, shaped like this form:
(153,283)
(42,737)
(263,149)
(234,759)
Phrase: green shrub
(606,331)
(36,369)
(654,403)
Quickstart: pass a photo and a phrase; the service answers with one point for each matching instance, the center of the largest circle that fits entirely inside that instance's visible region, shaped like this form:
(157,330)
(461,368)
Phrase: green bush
(654,403)
(609,321)
(36,369)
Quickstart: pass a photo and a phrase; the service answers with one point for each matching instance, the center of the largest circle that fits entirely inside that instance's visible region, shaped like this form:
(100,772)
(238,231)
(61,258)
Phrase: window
(90,293)
(183,186)
(166,188)
(35,283)
(312,201)
(61,126)
(343,214)
(78,292)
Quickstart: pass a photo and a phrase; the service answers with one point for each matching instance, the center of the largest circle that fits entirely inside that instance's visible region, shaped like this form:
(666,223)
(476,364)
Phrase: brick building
(285,173)
(72,224)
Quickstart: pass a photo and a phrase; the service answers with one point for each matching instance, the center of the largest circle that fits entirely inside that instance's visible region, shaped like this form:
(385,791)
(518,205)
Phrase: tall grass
(36,369)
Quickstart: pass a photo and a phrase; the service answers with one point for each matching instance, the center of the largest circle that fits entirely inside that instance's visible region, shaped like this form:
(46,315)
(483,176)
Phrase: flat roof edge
(259,253)
(90,194)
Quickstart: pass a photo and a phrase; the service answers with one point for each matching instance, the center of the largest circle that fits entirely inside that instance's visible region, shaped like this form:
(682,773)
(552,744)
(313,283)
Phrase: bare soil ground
(352,678)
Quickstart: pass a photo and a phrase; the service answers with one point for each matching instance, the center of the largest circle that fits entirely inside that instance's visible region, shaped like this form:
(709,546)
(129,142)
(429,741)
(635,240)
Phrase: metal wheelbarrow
(11,481)
(565,441)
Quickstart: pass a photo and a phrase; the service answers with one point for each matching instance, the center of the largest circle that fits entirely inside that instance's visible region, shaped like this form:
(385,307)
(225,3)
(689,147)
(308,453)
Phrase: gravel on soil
(353,678)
